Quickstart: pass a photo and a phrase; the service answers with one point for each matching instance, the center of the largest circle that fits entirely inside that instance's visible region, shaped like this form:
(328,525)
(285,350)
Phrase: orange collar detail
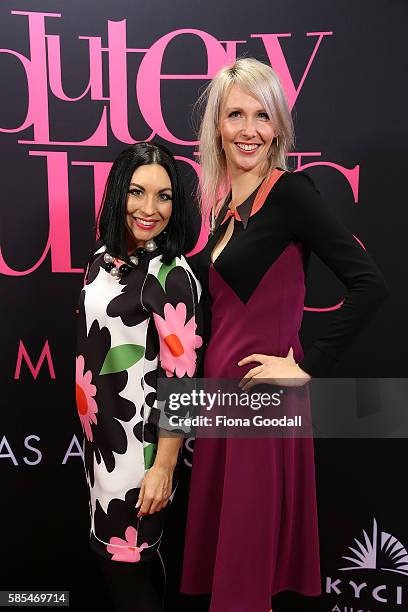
(260,197)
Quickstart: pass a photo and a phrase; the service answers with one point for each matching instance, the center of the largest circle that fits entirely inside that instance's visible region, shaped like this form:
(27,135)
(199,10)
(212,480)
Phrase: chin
(248,165)
(144,237)
(148,236)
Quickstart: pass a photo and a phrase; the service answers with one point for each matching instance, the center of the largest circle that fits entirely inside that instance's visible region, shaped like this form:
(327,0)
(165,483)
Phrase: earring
(277,142)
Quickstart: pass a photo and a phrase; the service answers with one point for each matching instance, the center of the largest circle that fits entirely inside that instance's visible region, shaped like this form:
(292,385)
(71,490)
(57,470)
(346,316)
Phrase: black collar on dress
(244,210)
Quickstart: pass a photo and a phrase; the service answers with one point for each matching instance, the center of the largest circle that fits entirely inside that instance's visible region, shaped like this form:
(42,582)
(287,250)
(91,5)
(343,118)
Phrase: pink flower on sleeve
(178,340)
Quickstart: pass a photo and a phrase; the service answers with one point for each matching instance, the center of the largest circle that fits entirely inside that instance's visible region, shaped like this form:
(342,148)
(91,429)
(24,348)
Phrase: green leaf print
(149,452)
(121,358)
(163,272)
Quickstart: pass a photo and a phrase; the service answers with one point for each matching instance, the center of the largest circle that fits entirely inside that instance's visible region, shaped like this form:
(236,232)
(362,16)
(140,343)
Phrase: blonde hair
(262,82)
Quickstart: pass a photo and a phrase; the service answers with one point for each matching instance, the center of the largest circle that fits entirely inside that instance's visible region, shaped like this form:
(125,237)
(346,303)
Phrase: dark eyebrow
(143,189)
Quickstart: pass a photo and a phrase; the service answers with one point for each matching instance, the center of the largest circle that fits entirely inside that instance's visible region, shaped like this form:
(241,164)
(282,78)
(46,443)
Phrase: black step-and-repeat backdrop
(81,80)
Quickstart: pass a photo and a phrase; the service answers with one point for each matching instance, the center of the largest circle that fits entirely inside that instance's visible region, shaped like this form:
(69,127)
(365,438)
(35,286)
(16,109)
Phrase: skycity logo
(383,552)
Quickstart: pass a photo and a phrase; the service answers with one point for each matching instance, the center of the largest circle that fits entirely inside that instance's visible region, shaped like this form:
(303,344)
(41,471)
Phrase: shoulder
(296,200)
(295,184)
(157,266)
(183,263)
(99,247)
(177,273)
(296,196)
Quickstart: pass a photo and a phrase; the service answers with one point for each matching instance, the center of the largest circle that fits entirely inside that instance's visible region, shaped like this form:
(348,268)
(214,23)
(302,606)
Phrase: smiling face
(246,132)
(149,203)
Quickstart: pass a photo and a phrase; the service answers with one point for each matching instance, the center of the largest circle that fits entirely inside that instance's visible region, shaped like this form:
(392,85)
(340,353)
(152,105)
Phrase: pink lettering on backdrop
(43,68)
(149,78)
(100,175)
(23,354)
(58,243)
(36,75)
(95,84)
(279,64)
(205,226)
(231,49)
(352,176)
(37,83)
(118,80)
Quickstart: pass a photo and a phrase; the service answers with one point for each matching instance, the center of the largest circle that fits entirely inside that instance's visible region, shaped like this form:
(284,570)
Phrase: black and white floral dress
(130,332)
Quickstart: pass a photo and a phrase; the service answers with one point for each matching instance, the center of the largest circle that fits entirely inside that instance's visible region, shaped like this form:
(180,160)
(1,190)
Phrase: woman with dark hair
(139,320)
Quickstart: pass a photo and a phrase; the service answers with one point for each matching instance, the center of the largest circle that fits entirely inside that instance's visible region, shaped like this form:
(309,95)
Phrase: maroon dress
(252,526)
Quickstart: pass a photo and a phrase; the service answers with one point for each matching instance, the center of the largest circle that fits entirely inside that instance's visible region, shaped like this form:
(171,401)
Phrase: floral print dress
(131,331)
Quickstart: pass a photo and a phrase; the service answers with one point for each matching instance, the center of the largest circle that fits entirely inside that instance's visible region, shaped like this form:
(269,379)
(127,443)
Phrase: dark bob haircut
(112,217)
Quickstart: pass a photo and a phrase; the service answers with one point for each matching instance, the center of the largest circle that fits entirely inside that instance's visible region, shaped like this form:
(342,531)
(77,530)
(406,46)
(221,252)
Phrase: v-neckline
(224,208)
(220,241)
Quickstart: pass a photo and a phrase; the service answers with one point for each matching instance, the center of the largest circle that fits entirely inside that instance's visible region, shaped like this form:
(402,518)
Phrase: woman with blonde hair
(252,526)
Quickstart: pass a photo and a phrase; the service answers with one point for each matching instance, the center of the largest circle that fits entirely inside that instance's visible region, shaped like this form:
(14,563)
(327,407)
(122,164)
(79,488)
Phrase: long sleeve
(311,223)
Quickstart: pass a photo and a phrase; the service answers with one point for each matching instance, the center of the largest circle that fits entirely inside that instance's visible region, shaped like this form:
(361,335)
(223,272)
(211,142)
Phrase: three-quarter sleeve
(172,295)
(311,222)
(179,325)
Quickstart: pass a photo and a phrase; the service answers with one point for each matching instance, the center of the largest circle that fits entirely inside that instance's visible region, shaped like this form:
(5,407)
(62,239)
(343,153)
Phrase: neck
(243,184)
(133,244)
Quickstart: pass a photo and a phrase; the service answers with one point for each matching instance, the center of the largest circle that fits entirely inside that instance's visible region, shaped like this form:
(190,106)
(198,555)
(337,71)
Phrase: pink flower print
(85,392)
(178,340)
(126,550)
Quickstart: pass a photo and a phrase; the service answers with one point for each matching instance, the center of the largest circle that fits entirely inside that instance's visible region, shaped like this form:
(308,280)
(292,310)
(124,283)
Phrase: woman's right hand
(156,489)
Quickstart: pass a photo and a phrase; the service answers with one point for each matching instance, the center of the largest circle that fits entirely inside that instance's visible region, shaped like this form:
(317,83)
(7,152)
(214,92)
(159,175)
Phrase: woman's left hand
(155,490)
(282,371)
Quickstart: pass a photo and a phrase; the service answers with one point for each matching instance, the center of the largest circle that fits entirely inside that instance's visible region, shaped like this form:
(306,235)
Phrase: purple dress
(252,526)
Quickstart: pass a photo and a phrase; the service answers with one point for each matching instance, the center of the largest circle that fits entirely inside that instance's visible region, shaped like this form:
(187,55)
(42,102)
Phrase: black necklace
(117,271)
